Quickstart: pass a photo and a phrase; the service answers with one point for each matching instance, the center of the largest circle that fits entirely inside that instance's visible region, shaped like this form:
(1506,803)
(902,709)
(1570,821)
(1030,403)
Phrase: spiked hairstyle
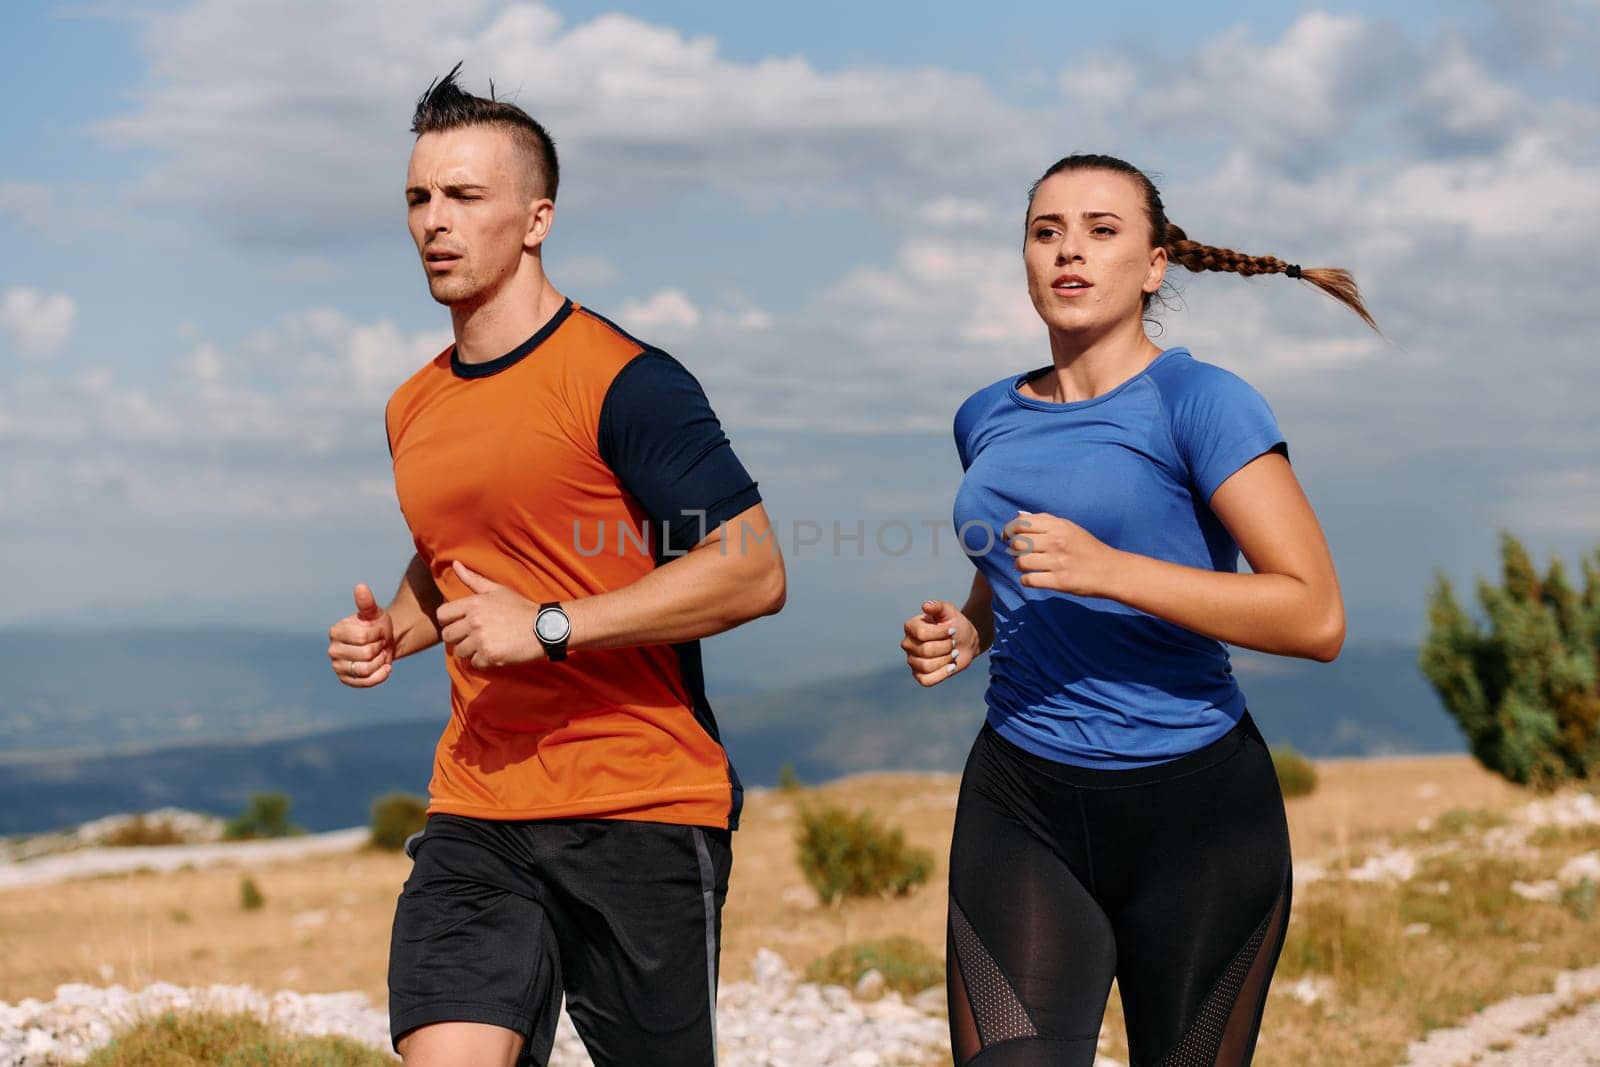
(447,106)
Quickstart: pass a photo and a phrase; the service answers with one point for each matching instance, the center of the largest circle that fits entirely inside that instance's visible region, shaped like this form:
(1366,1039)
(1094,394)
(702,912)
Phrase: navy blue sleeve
(661,438)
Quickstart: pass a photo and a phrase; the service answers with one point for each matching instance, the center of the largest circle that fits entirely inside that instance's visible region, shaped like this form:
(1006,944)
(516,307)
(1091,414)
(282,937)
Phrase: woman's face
(1088,251)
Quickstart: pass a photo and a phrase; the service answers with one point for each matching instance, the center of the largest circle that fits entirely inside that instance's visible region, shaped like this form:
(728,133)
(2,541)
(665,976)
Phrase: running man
(581,521)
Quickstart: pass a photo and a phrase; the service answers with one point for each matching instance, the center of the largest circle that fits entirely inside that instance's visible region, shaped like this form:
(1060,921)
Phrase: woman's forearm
(979,610)
(1274,613)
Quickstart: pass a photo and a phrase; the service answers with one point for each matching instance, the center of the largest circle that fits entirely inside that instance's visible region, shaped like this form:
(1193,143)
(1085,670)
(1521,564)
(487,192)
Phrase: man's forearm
(413,609)
(714,587)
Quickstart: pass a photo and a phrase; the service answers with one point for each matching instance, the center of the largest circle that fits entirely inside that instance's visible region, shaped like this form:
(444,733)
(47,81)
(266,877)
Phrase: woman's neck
(1090,366)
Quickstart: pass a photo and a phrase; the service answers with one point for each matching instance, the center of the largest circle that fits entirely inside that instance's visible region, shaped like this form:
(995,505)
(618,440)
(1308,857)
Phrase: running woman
(1119,816)
(567,488)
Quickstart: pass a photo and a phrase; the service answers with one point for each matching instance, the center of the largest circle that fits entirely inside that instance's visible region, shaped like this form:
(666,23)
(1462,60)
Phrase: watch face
(552,625)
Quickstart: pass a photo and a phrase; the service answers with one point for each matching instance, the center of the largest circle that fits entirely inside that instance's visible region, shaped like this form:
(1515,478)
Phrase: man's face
(468,209)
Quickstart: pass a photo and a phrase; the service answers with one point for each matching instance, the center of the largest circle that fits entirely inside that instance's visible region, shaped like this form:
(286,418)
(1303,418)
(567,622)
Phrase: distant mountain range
(132,720)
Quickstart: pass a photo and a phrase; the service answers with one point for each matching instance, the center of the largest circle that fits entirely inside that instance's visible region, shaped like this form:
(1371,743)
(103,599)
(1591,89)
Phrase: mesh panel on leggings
(1204,1036)
(995,1008)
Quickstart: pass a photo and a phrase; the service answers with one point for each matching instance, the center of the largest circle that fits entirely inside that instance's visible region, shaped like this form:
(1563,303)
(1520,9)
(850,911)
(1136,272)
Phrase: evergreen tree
(1525,688)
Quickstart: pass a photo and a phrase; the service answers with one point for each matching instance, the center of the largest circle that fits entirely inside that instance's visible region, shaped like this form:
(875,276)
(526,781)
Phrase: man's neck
(515,313)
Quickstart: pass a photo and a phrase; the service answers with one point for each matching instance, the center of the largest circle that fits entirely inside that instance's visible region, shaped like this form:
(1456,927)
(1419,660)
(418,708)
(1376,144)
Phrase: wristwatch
(552,627)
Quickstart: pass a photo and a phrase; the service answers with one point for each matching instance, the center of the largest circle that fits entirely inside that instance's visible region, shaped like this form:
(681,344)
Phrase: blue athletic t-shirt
(1084,680)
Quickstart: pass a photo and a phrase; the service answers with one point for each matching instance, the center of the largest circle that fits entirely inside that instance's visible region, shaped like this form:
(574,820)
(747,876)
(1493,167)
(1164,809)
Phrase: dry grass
(326,921)
(208,1040)
(323,928)
(143,830)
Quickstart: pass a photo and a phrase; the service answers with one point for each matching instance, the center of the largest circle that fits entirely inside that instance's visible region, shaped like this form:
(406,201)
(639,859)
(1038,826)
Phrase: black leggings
(1173,879)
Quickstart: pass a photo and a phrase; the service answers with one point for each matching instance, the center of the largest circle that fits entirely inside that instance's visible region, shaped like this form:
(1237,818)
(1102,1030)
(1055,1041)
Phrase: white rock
(773,1021)
(1578,868)
(769,971)
(1307,989)
(871,985)
(1546,890)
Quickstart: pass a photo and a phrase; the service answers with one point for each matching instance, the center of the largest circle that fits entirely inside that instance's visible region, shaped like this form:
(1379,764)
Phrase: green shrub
(209,1039)
(844,854)
(267,815)
(1525,689)
(1580,899)
(396,817)
(789,780)
(250,898)
(140,830)
(907,965)
(1296,776)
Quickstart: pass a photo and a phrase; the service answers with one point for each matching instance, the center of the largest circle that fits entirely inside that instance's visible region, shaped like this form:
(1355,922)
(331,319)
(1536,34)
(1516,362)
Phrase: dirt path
(1561,1027)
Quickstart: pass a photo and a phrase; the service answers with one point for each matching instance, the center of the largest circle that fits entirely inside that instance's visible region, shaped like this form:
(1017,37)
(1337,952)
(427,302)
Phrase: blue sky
(211,292)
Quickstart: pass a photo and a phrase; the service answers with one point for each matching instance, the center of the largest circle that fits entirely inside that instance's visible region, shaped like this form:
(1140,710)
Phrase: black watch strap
(555,651)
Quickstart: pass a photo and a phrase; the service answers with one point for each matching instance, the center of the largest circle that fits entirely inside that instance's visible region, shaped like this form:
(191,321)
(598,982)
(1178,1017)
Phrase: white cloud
(954,211)
(584,271)
(1532,187)
(1460,107)
(39,323)
(940,295)
(1288,99)
(668,309)
(279,425)
(27,202)
(205,363)
(243,110)
(752,319)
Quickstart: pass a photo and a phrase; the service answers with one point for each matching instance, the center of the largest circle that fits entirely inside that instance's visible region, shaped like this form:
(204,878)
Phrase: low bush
(207,1039)
(846,854)
(396,817)
(1296,776)
(1580,899)
(250,895)
(907,965)
(267,815)
(140,830)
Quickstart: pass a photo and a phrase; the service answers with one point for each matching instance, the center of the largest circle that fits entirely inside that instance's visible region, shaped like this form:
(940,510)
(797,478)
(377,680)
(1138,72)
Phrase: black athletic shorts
(500,918)
(1173,879)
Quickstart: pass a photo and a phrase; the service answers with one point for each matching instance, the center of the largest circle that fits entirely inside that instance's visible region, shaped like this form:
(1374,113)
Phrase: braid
(1197,257)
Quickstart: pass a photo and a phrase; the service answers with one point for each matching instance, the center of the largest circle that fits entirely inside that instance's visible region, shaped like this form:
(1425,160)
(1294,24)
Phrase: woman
(1119,815)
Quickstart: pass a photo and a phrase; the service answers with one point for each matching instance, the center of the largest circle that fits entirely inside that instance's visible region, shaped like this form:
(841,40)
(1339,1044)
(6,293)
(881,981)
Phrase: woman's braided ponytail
(1335,281)
(1194,256)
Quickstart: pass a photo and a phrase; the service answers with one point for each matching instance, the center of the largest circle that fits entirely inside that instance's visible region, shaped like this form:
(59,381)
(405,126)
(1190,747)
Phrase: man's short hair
(447,106)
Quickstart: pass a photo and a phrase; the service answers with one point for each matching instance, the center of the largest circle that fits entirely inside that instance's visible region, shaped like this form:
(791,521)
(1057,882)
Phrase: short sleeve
(660,437)
(1220,423)
(970,419)
(963,432)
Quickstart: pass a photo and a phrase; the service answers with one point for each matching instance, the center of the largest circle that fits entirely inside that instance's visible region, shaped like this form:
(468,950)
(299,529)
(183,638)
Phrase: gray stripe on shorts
(708,886)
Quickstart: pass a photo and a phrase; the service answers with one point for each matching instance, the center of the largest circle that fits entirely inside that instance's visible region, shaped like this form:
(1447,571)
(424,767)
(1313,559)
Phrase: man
(580,522)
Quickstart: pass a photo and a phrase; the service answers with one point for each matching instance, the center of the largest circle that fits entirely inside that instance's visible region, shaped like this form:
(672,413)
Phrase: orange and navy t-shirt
(571,466)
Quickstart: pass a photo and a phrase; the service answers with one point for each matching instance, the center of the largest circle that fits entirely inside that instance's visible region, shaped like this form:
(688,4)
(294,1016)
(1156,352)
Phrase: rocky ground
(771,1019)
